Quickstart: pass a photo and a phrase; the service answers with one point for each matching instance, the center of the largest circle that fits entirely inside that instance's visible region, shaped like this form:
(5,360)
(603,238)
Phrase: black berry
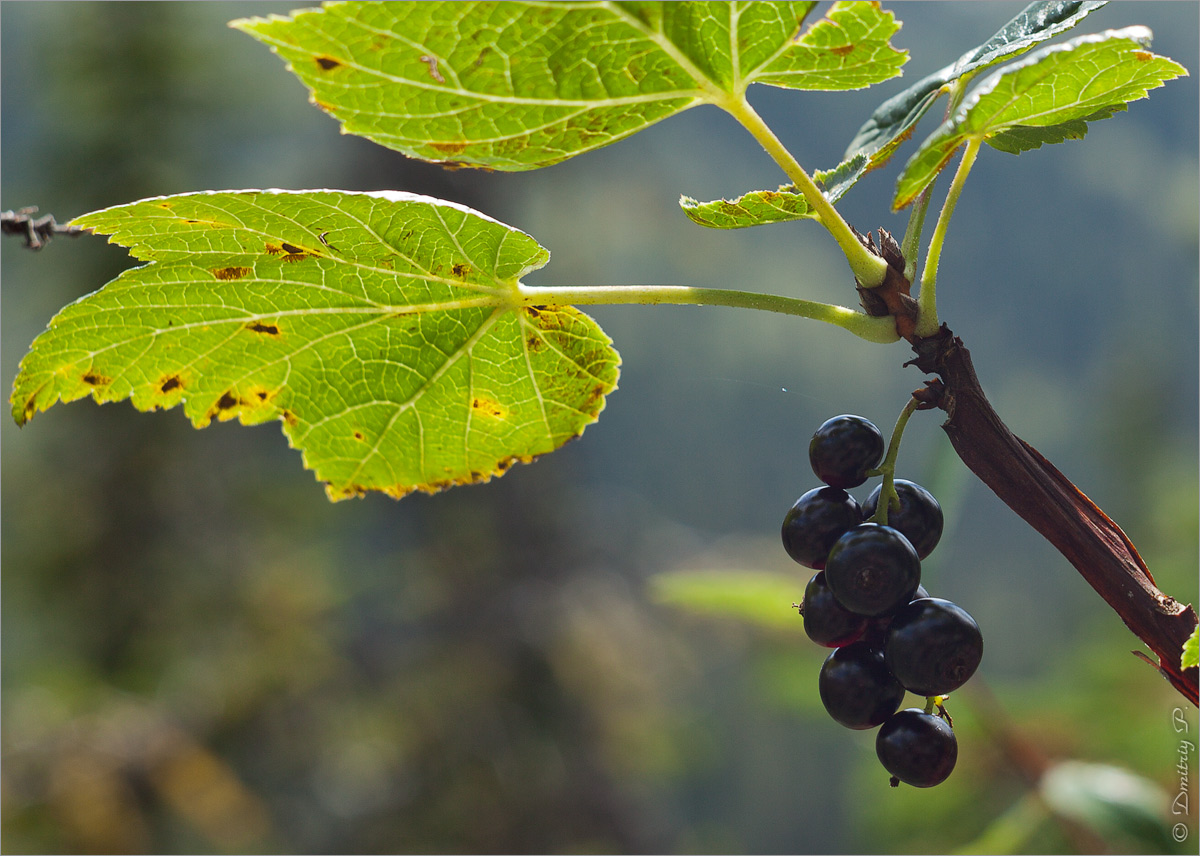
(872,569)
(816,521)
(856,688)
(877,628)
(919,517)
(917,748)
(826,621)
(933,646)
(843,449)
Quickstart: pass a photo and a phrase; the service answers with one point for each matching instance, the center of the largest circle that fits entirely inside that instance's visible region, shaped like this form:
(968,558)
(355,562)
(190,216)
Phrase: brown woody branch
(1030,485)
(1048,501)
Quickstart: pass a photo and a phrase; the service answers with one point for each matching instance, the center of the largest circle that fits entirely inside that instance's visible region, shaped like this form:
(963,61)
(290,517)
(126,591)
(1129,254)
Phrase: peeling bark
(1049,502)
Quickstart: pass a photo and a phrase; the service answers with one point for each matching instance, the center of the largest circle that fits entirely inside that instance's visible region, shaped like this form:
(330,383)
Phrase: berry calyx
(872,569)
(815,522)
(919,517)
(856,688)
(933,646)
(917,748)
(844,449)
(826,621)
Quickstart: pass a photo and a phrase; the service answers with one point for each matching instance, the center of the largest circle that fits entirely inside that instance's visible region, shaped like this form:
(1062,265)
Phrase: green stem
(868,268)
(882,329)
(887,493)
(911,246)
(927,320)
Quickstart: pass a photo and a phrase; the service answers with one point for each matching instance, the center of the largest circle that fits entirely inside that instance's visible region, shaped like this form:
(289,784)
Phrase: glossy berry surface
(918,748)
(856,688)
(843,449)
(877,628)
(826,621)
(815,522)
(933,646)
(872,569)
(919,517)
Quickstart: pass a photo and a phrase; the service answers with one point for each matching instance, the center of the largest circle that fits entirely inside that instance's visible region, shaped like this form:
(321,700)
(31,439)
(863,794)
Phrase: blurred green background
(201,654)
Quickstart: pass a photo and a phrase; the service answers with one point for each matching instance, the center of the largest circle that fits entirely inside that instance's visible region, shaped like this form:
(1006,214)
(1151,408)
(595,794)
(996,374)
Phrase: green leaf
(1124,809)
(751,209)
(759,597)
(1047,97)
(760,207)
(1190,656)
(516,86)
(894,120)
(385,330)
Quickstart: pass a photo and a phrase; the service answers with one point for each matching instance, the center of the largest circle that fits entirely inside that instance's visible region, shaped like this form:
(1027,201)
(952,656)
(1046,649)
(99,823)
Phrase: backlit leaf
(760,207)
(385,331)
(1047,97)
(1189,658)
(516,86)
(751,209)
(893,121)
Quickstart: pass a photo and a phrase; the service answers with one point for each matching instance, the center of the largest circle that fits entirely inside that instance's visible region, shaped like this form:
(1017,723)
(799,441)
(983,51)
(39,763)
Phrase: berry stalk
(888,498)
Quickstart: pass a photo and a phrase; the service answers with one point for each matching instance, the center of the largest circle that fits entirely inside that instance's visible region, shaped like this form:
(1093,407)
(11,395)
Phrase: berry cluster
(866,601)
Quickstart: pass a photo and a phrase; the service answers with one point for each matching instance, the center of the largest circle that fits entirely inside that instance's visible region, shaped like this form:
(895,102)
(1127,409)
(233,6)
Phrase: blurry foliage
(200,654)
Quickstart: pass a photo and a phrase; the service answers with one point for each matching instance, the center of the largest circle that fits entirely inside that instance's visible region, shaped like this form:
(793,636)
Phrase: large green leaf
(1047,97)
(517,86)
(385,330)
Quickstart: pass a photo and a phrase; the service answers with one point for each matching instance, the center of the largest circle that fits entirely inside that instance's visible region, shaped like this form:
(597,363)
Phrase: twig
(37,232)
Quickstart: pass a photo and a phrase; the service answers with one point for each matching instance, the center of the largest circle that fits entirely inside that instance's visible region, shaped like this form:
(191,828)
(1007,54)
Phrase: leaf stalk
(881,330)
(927,319)
(867,267)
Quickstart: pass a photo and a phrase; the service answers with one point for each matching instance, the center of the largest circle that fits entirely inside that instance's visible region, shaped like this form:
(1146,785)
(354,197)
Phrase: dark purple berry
(856,687)
(872,569)
(826,621)
(933,646)
(843,449)
(918,748)
(816,521)
(919,517)
(877,628)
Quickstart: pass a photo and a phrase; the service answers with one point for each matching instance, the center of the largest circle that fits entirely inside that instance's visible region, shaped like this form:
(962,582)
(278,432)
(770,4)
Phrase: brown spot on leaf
(535,343)
(232,272)
(327,63)
(171,383)
(266,329)
(533,311)
(93,379)
(290,418)
(842,50)
(228,401)
(461,269)
(448,148)
(262,395)
(489,407)
(358,435)
(1142,56)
